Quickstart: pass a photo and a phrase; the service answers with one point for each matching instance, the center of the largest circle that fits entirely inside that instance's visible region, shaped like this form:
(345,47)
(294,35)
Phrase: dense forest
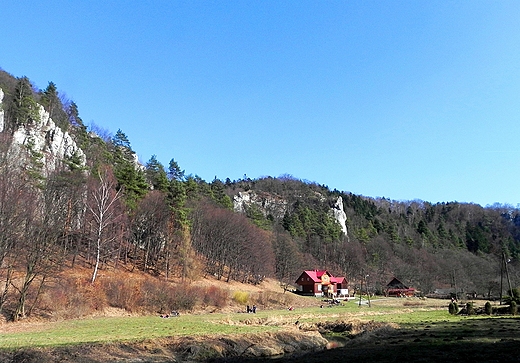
(106,210)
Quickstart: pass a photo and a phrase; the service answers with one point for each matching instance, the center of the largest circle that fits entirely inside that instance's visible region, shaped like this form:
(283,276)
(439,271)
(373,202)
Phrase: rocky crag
(275,206)
(44,138)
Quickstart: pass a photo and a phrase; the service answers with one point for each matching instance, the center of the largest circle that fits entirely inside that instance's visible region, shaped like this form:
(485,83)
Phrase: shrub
(215,296)
(182,298)
(69,298)
(261,298)
(155,296)
(241,297)
(123,293)
(470,310)
(513,308)
(452,309)
(163,297)
(93,295)
(488,308)
(514,295)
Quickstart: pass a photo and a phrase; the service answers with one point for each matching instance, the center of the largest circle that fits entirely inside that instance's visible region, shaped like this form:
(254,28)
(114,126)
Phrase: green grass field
(419,330)
(114,329)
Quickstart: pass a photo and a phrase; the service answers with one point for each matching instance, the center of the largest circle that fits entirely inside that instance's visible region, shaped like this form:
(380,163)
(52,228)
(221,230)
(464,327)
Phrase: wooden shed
(398,289)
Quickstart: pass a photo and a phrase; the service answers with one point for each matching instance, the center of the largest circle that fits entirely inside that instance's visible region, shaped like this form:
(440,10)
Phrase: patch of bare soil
(294,341)
(474,340)
(183,349)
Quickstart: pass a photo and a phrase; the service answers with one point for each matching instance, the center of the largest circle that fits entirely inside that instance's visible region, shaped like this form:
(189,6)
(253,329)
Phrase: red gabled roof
(338,280)
(316,275)
(313,275)
(320,273)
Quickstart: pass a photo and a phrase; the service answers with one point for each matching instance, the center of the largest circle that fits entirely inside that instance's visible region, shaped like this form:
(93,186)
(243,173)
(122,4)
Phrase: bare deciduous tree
(12,189)
(104,211)
(232,247)
(150,228)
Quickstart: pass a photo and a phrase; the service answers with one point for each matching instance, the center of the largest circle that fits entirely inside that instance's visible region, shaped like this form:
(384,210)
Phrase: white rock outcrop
(340,215)
(45,137)
(1,111)
(268,204)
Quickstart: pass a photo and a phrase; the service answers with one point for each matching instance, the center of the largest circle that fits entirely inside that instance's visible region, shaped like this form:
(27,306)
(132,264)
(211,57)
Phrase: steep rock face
(275,206)
(1,111)
(45,137)
(268,204)
(340,215)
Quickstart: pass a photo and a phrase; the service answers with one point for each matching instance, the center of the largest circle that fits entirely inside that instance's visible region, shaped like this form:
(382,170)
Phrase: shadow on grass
(467,340)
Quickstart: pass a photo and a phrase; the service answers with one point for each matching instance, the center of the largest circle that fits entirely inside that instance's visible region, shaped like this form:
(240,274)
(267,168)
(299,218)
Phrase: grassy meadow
(403,312)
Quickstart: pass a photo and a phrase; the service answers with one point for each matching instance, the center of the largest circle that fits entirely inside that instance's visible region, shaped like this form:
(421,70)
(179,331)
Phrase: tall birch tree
(105,210)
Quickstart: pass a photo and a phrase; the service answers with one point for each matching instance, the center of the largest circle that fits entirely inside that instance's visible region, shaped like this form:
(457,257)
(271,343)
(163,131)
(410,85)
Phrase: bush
(241,297)
(182,298)
(514,295)
(452,309)
(163,297)
(215,296)
(123,293)
(470,310)
(488,308)
(513,308)
(72,298)
(89,297)
(154,296)
(265,298)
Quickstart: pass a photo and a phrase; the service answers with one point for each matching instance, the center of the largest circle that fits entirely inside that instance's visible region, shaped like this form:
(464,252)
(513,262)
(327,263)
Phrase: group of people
(251,309)
(173,313)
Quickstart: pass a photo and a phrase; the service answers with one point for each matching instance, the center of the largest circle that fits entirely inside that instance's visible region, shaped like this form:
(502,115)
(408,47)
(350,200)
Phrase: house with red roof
(321,283)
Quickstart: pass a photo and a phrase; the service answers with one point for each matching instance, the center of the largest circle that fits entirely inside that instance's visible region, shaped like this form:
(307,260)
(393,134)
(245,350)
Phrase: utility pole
(360,291)
(368,293)
(501,277)
(507,275)
(455,285)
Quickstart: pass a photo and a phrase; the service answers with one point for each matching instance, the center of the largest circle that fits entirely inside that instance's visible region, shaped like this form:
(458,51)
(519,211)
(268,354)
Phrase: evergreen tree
(23,109)
(74,119)
(50,99)
(130,177)
(132,181)
(120,141)
(174,171)
(156,175)
(219,195)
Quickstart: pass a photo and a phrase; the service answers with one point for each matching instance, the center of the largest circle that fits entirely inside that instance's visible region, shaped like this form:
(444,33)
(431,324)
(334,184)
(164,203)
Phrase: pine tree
(129,176)
(52,103)
(174,171)
(23,109)
(156,175)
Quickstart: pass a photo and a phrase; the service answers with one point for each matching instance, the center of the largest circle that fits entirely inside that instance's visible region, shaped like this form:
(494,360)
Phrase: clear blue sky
(398,99)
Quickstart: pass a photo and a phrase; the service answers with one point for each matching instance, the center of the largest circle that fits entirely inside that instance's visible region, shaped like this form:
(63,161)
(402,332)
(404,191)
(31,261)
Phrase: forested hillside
(427,245)
(98,208)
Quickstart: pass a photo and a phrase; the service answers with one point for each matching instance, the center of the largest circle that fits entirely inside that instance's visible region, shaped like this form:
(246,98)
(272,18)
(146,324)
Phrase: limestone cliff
(276,206)
(44,137)
(267,203)
(340,215)
(1,110)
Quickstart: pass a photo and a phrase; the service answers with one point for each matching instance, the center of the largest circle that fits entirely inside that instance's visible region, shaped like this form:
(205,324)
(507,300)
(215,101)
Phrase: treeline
(113,211)
(448,245)
(109,212)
